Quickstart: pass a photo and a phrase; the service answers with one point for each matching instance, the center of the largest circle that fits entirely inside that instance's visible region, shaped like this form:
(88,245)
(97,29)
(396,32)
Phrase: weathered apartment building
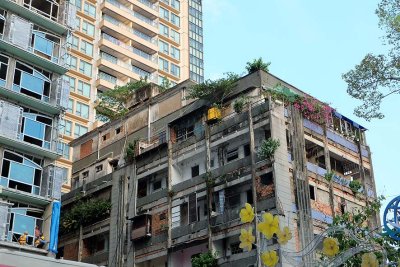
(33,98)
(175,178)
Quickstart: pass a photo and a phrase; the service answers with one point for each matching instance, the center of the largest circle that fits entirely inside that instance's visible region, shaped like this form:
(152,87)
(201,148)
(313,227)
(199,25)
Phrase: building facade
(175,178)
(33,98)
(118,41)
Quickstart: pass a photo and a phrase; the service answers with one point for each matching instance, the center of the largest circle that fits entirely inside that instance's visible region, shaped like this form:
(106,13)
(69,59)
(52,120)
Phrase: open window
(37,130)
(21,173)
(32,81)
(47,8)
(24,220)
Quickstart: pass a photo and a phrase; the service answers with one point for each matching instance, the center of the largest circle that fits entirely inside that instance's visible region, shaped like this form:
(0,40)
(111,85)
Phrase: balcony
(122,31)
(27,132)
(144,23)
(48,15)
(142,59)
(151,9)
(141,227)
(118,68)
(105,81)
(37,48)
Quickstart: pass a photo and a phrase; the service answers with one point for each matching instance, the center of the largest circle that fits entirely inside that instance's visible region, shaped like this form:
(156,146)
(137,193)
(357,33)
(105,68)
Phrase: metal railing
(133,13)
(138,33)
(149,4)
(107,77)
(132,49)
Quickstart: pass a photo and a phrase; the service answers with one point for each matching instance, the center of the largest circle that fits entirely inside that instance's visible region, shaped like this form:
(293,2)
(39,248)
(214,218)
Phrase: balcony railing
(138,33)
(107,77)
(149,4)
(132,49)
(133,13)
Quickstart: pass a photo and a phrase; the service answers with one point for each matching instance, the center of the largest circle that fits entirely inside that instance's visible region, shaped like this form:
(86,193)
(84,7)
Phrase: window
(175,20)
(79,130)
(105,137)
(32,81)
(72,62)
(312,192)
(24,219)
(175,53)
(164,13)
(19,172)
(65,175)
(175,36)
(164,30)
(163,64)
(77,3)
(71,81)
(175,70)
(162,216)
(88,28)
(70,106)
(90,10)
(195,171)
(3,15)
(176,4)
(85,68)
(3,69)
(232,154)
(246,150)
(267,178)
(99,168)
(37,129)
(85,174)
(82,110)
(164,47)
(63,149)
(87,48)
(84,88)
(235,248)
(74,42)
(118,130)
(65,127)
(157,185)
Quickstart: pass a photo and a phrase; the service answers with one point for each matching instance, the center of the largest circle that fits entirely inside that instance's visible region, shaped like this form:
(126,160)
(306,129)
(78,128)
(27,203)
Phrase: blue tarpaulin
(55,221)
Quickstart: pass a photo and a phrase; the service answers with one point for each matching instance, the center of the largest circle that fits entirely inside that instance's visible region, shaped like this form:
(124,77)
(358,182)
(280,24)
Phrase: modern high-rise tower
(118,41)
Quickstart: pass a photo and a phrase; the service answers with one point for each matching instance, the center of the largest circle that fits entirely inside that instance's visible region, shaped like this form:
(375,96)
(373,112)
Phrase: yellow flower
(330,247)
(270,258)
(247,238)
(247,213)
(284,236)
(369,260)
(269,226)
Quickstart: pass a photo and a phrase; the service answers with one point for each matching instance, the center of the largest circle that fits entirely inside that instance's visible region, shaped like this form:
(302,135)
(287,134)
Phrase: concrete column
(282,177)
(253,179)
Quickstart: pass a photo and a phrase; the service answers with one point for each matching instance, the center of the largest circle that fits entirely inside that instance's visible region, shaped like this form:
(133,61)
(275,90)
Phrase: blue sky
(310,45)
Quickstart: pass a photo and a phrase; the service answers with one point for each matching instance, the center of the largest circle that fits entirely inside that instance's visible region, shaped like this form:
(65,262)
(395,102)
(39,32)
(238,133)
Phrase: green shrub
(355,186)
(268,148)
(206,259)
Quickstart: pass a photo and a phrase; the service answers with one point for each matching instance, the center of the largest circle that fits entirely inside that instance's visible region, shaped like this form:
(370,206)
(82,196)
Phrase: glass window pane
(21,173)
(34,129)
(24,224)
(32,83)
